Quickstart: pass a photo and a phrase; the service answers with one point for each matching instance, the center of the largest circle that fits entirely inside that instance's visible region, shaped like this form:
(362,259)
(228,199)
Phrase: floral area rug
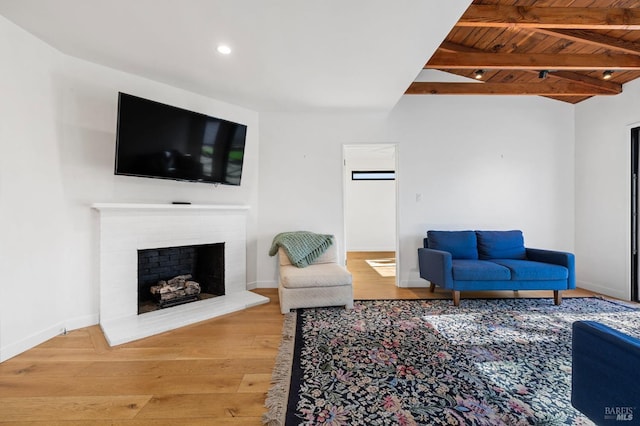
(426,362)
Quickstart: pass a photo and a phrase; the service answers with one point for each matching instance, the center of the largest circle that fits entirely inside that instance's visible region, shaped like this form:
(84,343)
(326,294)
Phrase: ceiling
(554,48)
(291,55)
(288,55)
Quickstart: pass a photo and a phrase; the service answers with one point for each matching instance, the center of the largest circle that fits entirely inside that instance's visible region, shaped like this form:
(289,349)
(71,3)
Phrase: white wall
(478,162)
(370,205)
(603,164)
(57,130)
(300,185)
(484,163)
(34,254)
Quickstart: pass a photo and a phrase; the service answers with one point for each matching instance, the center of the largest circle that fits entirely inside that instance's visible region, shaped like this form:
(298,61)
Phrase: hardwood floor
(212,373)
(215,372)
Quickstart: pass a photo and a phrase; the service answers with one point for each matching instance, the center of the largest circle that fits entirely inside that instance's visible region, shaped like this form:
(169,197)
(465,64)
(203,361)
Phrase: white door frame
(346,177)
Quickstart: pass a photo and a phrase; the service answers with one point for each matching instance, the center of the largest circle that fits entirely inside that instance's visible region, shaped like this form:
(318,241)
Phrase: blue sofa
(605,378)
(492,260)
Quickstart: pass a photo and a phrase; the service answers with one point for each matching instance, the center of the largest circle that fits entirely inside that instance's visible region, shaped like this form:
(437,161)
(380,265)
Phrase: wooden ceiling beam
(450,47)
(543,89)
(615,88)
(540,61)
(594,39)
(587,18)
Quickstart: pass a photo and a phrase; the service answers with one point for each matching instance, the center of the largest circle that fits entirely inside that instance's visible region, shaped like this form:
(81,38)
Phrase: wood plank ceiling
(560,49)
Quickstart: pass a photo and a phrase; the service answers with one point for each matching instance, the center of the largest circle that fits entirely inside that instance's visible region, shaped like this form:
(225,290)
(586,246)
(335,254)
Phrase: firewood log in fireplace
(177,287)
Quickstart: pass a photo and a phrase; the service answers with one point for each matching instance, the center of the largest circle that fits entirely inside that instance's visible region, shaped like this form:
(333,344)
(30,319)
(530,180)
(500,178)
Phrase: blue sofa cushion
(501,245)
(478,270)
(528,270)
(461,244)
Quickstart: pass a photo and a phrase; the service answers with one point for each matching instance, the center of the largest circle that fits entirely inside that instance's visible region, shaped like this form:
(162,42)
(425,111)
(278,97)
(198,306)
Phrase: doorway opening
(370,205)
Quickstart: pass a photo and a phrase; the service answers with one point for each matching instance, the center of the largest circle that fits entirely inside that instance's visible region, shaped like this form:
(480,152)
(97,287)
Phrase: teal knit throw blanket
(302,247)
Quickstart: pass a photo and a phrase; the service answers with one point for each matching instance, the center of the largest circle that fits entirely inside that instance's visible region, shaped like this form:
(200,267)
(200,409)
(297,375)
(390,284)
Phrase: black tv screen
(162,141)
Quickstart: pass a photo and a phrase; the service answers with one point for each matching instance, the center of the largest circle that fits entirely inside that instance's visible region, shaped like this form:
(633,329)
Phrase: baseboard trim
(414,284)
(607,291)
(29,342)
(267,284)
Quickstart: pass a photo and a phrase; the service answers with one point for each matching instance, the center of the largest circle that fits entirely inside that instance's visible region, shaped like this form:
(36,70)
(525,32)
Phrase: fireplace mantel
(126,228)
(167,207)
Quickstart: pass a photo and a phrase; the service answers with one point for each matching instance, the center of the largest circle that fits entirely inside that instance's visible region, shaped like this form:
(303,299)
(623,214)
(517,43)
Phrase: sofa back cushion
(461,244)
(501,245)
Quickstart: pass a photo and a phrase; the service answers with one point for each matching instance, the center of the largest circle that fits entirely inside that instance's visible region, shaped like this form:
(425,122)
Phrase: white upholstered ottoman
(323,283)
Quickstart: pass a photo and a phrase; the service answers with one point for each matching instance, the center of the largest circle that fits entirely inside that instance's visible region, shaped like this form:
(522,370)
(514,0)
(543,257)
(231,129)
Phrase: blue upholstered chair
(605,383)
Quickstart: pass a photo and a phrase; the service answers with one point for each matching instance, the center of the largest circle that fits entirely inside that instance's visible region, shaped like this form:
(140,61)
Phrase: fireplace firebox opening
(204,263)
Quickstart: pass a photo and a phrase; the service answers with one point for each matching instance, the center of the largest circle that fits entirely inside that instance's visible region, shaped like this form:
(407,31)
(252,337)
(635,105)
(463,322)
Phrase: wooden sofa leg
(456,298)
(432,287)
(557,297)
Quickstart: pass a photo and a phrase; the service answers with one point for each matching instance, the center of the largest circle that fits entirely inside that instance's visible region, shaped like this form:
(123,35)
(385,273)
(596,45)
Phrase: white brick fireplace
(127,228)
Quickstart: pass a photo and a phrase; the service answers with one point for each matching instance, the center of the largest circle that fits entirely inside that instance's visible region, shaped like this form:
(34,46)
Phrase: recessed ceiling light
(224,49)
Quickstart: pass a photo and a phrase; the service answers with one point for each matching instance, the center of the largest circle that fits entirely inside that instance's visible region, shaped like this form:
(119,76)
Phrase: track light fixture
(478,74)
(607,74)
(543,74)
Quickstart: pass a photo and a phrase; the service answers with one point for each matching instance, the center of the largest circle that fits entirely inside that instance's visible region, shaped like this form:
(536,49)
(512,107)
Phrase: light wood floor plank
(117,385)
(72,408)
(255,383)
(204,405)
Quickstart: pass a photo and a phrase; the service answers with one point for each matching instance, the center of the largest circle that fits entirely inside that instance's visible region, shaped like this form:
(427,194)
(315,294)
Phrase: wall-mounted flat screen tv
(161,141)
